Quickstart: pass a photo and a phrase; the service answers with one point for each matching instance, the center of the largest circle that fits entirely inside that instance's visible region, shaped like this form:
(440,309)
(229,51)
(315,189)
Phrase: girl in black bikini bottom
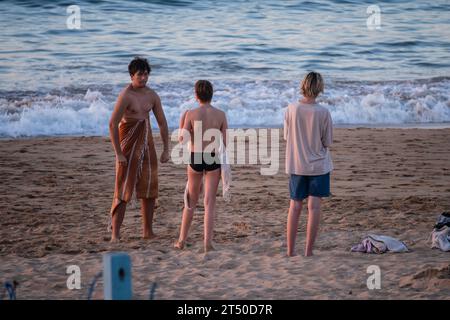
(204,161)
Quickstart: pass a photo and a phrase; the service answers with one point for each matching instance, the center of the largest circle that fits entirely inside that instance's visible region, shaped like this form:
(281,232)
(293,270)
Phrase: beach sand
(57,192)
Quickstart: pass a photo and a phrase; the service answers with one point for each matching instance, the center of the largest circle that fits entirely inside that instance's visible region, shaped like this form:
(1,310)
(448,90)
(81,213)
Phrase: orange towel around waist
(140,174)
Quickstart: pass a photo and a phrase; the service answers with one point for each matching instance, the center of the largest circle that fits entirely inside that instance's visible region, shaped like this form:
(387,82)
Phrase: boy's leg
(313,223)
(212,179)
(147,209)
(295,208)
(117,220)
(194,187)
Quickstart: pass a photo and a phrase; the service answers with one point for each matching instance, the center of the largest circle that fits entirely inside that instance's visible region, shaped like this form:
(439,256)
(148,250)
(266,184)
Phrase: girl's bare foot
(292,254)
(115,240)
(179,244)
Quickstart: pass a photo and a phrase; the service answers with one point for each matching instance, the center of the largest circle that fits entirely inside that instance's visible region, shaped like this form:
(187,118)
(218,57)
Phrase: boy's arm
(327,137)
(286,124)
(163,128)
(119,110)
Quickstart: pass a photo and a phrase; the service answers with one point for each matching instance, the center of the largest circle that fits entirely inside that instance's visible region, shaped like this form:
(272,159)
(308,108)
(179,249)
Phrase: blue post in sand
(117,276)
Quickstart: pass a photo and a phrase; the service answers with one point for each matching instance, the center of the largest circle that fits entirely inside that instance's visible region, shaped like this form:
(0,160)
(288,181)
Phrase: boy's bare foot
(209,247)
(308,254)
(179,244)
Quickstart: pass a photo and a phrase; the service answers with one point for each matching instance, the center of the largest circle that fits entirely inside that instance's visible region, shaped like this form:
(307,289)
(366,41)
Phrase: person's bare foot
(209,247)
(115,240)
(149,236)
(308,254)
(179,244)
(292,254)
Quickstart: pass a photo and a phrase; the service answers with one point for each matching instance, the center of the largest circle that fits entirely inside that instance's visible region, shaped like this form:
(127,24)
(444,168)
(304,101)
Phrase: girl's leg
(194,187)
(212,179)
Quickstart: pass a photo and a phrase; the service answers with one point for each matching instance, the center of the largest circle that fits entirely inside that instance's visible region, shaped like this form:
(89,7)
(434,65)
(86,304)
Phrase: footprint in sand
(429,277)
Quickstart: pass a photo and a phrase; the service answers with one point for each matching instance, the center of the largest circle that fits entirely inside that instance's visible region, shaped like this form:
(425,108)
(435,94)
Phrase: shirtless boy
(136,159)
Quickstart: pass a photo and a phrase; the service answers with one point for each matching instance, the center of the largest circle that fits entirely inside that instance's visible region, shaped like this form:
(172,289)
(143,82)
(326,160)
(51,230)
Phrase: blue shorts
(300,187)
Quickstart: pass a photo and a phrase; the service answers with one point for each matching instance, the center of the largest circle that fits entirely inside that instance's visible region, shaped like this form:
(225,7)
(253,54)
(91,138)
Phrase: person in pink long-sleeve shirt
(308,131)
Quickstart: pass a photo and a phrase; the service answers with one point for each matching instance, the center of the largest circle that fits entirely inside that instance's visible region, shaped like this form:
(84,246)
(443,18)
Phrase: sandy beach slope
(56,194)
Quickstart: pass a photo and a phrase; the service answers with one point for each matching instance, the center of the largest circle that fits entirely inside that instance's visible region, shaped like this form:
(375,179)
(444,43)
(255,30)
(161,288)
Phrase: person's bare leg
(295,208)
(212,179)
(194,185)
(313,224)
(147,210)
(117,220)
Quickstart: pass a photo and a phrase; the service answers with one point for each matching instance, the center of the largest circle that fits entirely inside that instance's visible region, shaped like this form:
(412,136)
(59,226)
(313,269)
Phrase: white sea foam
(247,104)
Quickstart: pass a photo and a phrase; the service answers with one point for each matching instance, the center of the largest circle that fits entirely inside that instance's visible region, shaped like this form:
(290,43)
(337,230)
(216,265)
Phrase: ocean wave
(86,111)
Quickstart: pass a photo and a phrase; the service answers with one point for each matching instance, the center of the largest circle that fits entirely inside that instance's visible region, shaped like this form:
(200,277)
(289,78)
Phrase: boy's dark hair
(204,90)
(139,64)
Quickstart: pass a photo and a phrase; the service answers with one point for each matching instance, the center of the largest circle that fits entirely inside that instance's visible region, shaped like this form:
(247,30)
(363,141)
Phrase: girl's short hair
(204,90)
(312,85)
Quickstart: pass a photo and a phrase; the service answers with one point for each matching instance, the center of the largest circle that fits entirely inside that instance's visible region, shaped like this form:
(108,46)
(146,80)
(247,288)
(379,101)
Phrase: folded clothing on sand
(443,220)
(440,236)
(379,244)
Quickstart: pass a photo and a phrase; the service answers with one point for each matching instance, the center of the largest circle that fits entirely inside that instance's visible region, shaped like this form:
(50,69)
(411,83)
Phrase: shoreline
(430,126)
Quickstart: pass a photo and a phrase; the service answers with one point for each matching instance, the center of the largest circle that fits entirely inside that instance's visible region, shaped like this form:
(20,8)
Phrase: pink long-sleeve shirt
(308,131)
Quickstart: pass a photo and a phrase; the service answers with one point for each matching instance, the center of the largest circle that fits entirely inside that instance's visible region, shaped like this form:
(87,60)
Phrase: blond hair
(312,85)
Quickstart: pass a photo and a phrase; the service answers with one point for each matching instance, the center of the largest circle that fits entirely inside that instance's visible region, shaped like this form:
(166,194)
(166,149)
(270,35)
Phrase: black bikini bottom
(204,161)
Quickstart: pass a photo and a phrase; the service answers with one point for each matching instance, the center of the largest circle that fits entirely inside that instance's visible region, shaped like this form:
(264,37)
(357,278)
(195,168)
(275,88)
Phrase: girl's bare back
(209,118)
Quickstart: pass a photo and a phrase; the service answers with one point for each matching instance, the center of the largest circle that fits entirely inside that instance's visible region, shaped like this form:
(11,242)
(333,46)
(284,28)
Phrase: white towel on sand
(392,244)
(379,244)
